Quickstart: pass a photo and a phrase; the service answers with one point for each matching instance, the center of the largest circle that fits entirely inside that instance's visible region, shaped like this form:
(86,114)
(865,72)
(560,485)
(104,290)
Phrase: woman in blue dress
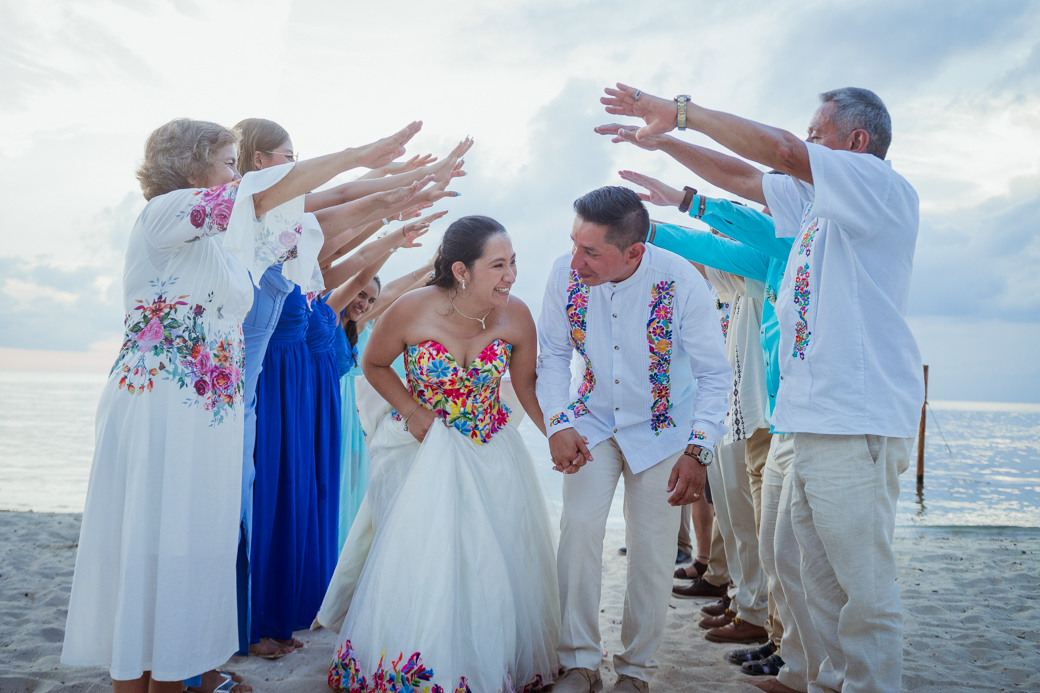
(287,582)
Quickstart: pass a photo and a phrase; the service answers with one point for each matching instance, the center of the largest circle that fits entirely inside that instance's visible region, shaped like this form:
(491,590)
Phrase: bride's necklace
(480,320)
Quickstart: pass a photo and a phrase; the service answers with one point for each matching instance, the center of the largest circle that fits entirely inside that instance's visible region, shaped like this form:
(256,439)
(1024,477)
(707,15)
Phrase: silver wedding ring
(639,92)
(696,495)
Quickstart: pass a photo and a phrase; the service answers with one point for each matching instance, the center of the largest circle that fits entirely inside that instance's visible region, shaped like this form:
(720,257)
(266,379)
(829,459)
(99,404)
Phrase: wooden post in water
(920,434)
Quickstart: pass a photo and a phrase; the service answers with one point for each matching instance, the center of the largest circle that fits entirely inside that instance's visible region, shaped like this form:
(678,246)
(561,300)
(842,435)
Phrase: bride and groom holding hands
(487,603)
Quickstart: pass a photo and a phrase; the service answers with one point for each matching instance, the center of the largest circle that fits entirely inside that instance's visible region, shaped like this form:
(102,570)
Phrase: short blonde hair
(257,135)
(180,151)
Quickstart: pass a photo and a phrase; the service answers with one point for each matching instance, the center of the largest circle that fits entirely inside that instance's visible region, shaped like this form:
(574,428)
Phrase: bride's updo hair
(464,242)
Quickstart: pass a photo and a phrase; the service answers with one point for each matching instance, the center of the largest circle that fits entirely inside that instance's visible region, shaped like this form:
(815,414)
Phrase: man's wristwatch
(687,199)
(680,115)
(702,455)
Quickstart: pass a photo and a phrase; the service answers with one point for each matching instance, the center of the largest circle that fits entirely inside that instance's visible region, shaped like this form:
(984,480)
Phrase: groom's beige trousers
(650,530)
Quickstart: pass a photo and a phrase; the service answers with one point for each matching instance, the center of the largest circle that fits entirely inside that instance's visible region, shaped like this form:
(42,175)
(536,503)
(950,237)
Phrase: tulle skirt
(448,575)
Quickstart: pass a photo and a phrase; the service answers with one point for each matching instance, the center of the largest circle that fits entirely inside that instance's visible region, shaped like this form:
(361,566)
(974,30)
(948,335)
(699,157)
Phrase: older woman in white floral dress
(153,597)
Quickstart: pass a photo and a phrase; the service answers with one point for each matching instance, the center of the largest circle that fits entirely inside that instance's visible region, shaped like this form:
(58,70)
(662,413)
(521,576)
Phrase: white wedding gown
(449,570)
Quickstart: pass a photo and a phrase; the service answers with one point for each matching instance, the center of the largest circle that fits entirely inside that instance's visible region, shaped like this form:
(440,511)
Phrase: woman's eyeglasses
(291,156)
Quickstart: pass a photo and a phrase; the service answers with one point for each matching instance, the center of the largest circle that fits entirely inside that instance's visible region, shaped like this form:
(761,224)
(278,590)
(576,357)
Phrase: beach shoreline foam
(971,599)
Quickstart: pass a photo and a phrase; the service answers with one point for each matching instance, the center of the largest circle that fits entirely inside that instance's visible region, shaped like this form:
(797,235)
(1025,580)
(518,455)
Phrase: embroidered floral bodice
(466,398)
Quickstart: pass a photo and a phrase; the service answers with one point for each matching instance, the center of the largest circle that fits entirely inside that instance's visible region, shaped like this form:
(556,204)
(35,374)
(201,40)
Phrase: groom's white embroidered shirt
(655,374)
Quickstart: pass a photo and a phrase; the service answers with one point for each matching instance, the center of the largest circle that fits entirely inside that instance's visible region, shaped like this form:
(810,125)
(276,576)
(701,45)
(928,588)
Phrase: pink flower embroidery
(288,239)
(151,335)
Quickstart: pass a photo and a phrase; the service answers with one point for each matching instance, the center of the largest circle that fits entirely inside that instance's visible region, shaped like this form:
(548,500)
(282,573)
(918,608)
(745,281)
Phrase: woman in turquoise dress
(354,452)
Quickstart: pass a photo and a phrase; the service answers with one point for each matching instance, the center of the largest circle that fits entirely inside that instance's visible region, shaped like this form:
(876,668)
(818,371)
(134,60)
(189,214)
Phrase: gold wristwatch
(680,116)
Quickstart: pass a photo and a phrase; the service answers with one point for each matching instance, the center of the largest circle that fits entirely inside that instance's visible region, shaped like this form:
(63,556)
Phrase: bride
(453,558)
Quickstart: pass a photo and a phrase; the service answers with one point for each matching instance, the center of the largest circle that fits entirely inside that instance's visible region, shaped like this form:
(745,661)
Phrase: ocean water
(982,460)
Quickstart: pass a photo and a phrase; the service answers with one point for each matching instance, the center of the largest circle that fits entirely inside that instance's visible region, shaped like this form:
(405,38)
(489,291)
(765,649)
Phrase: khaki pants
(843,507)
(800,647)
(756,452)
(650,530)
(735,512)
(685,527)
(717,572)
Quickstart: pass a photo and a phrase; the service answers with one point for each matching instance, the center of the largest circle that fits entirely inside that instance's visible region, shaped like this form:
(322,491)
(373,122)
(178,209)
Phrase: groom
(650,406)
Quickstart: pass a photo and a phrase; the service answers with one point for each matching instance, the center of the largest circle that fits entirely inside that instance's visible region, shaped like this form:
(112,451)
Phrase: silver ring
(696,495)
(639,92)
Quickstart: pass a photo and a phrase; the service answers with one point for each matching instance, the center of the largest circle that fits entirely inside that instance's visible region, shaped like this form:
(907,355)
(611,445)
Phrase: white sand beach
(971,602)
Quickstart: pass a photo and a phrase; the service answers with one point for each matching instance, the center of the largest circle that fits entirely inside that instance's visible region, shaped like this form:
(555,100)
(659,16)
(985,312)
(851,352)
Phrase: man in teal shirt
(756,253)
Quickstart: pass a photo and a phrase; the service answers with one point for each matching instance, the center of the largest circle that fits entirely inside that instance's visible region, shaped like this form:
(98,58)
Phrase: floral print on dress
(577,305)
(802,293)
(345,676)
(166,338)
(659,339)
(467,399)
(211,210)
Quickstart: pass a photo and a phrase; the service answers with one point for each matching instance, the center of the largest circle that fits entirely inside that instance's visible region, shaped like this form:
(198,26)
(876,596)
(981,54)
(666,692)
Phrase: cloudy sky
(83,83)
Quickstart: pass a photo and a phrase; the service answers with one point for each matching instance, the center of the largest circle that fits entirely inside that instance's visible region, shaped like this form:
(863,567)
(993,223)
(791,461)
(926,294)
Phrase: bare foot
(268,648)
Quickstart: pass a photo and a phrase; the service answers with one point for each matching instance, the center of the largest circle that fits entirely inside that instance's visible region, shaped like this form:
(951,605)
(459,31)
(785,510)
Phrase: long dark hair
(350,326)
(464,242)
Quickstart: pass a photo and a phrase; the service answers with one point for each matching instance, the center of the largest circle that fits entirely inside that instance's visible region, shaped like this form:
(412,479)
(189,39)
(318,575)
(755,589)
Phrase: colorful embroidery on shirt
(805,247)
(659,339)
(801,299)
(698,435)
(577,304)
(168,338)
(802,293)
(557,419)
(212,210)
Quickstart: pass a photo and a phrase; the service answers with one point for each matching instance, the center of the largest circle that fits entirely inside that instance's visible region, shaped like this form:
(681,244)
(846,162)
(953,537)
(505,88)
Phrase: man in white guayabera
(851,385)
(650,405)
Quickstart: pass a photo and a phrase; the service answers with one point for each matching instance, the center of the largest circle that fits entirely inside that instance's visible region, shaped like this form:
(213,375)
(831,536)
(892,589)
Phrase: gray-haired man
(851,383)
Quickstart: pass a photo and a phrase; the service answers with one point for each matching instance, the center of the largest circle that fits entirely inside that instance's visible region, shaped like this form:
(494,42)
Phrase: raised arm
(395,289)
(442,172)
(723,171)
(309,174)
(371,253)
(772,147)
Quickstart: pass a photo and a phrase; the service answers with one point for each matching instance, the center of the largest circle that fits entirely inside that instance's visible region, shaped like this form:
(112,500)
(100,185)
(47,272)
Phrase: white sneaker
(579,681)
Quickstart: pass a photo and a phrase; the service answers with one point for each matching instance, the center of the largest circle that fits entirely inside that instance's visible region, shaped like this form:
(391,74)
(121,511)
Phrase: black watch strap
(684,206)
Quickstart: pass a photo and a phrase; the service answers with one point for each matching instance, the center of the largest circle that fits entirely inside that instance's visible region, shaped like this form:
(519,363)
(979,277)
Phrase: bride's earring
(463,284)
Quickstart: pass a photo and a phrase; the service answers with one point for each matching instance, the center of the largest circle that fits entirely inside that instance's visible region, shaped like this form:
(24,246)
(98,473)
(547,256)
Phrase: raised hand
(382,152)
(660,194)
(658,114)
(627,133)
(417,161)
(451,167)
(418,228)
